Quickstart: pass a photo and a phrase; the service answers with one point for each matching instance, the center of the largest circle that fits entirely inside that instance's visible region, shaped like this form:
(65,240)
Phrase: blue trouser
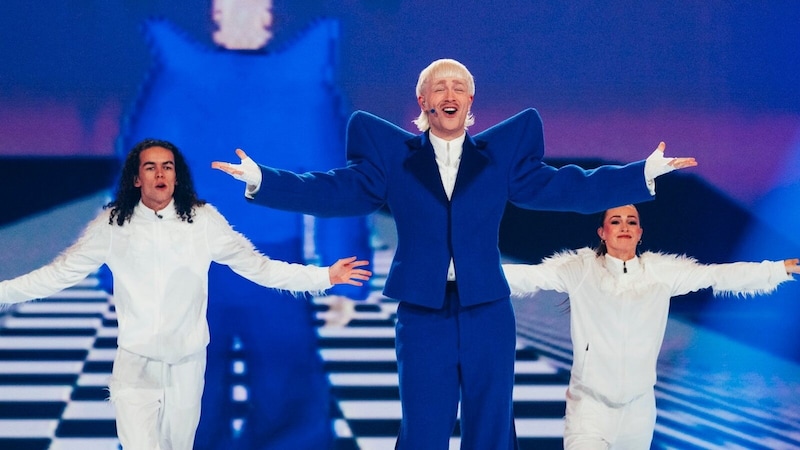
(456,353)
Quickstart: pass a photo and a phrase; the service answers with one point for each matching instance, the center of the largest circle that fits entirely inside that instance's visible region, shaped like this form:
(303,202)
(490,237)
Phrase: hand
(657,165)
(344,271)
(247,171)
(792,265)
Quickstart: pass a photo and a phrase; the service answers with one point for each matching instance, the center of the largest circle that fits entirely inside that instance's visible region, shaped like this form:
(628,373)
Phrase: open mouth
(450,110)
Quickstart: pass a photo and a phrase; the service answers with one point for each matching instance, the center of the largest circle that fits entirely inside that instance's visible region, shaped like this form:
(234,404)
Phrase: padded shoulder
(362,120)
(526,118)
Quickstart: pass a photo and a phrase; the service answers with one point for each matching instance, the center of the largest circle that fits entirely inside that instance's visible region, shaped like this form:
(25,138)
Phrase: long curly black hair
(128,195)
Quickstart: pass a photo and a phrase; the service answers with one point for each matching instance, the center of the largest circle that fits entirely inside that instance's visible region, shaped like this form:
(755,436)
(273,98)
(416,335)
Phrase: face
(242,25)
(156,177)
(451,101)
(621,232)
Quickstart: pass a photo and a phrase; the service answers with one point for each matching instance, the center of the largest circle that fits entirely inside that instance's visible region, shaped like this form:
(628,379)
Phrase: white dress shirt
(448,157)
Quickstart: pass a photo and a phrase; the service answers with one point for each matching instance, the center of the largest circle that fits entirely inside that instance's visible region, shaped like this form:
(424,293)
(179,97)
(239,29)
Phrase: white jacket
(618,319)
(160,269)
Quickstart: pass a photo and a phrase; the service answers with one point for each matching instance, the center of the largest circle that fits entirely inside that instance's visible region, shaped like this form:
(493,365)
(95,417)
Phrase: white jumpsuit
(618,317)
(160,269)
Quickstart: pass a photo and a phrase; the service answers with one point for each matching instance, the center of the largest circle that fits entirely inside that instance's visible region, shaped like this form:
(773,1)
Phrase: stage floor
(56,355)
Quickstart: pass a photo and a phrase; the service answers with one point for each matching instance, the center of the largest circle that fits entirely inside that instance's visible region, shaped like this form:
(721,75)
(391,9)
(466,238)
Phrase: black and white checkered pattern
(362,368)
(56,356)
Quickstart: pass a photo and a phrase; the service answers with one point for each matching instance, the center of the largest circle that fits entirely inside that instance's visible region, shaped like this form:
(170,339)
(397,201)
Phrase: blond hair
(443,68)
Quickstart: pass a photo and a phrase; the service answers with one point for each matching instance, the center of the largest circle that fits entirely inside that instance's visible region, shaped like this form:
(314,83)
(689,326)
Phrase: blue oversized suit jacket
(390,166)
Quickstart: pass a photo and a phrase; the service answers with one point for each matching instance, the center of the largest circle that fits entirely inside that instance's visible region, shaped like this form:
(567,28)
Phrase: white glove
(247,171)
(657,164)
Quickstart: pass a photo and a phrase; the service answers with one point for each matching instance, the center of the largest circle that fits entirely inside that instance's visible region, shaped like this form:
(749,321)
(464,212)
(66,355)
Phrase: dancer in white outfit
(618,303)
(158,239)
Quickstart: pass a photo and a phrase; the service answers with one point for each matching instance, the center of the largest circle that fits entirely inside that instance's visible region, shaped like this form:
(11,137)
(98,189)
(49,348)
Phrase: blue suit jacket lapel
(473,161)
(421,162)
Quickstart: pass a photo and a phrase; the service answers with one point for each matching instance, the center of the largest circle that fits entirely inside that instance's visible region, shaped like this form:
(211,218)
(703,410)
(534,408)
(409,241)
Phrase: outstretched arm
(555,273)
(572,188)
(357,188)
(74,264)
(344,191)
(522,278)
(346,271)
(686,275)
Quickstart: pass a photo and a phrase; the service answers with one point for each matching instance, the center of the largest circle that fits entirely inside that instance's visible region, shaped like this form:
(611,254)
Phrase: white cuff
(654,166)
(251,175)
(251,190)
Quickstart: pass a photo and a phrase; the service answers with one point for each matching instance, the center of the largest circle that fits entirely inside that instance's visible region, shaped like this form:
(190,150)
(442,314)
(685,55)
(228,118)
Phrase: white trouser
(157,404)
(593,425)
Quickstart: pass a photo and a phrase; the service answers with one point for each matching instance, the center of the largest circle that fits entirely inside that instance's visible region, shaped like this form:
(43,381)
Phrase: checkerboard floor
(56,356)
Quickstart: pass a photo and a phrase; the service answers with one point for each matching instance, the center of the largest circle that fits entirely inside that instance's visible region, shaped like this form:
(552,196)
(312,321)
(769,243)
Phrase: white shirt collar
(440,148)
(619,267)
(168,211)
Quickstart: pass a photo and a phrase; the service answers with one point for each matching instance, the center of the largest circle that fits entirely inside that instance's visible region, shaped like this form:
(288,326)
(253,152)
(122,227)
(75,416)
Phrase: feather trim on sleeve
(738,279)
